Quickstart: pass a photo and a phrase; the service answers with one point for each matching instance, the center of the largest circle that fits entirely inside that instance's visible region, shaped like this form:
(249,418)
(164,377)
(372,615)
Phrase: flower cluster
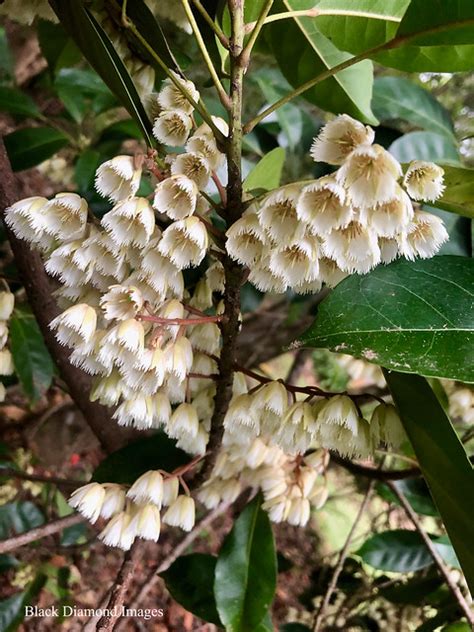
(306,234)
(135,512)
(7,302)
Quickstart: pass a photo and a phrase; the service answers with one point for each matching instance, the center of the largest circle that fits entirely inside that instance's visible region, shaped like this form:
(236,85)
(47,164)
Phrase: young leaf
(33,364)
(399,98)
(303,52)
(401,551)
(246,570)
(424,146)
(411,316)
(127,464)
(442,458)
(190,581)
(29,146)
(267,173)
(17,102)
(100,53)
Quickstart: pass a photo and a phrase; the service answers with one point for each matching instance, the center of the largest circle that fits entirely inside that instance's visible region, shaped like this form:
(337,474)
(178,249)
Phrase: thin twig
(223,39)
(340,561)
(40,532)
(453,587)
(10,472)
(119,589)
(255,32)
(375,473)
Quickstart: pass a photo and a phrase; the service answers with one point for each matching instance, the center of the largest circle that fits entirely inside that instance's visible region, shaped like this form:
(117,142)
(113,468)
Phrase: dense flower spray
(152,344)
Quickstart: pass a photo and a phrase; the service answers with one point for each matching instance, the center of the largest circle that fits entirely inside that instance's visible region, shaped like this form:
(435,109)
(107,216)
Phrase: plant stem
(40,532)
(330,72)
(234,273)
(256,32)
(223,96)
(223,39)
(453,587)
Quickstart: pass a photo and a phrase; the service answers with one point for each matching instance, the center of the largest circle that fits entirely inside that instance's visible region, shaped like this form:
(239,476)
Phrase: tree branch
(40,532)
(373,473)
(453,587)
(10,472)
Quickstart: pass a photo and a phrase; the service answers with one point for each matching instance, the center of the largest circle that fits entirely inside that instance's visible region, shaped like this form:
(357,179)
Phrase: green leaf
(18,517)
(459,231)
(411,316)
(29,146)
(190,581)
(7,561)
(17,102)
(399,98)
(57,47)
(302,52)
(266,174)
(125,465)
(400,551)
(415,591)
(359,25)
(459,626)
(442,458)
(458,196)
(416,492)
(85,168)
(100,53)
(424,146)
(12,610)
(246,571)
(294,627)
(80,89)
(33,364)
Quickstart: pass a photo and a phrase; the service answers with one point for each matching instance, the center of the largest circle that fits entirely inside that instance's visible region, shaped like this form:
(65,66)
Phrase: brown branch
(318,620)
(453,587)
(40,532)
(38,290)
(10,472)
(373,473)
(119,589)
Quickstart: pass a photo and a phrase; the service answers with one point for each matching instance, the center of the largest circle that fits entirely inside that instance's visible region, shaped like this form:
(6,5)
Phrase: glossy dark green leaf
(33,364)
(424,146)
(266,174)
(414,591)
(442,458)
(400,551)
(411,316)
(81,91)
(7,561)
(100,53)
(85,168)
(245,577)
(57,46)
(190,580)
(303,52)
(12,610)
(121,130)
(416,492)
(458,196)
(400,98)
(18,517)
(29,146)
(459,231)
(127,464)
(17,102)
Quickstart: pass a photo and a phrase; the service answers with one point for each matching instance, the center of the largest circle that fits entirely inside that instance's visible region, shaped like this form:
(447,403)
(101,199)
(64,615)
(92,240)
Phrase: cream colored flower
(425,236)
(424,180)
(171,97)
(323,205)
(118,178)
(338,138)
(131,222)
(172,128)
(176,197)
(194,166)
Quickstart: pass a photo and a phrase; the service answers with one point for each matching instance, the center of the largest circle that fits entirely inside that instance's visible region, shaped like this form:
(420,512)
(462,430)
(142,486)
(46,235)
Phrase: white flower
(161,409)
(265,279)
(6,362)
(386,426)
(279,217)
(185,242)
(117,531)
(146,523)
(206,337)
(277,508)
(149,487)
(178,357)
(160,273)
(170,490)
(425,236)
(143,77)
(340,410)
(118,178)
(273,397)
(246,239)
(299,512)
(130,222)
(318,460)
(172,128)
(194,166)
(171,97)
(297,263)
(241,412)
(7,303)
(88,500)
(114,500)
(66,216)
(354,248)
(424,180)
(136,410)
(129,334)
(176,196)
(184,420)
(3,333)
(121,302)
(370,175)
(339,138)
(181,513)
(206,145)
(389,218)
(107,390)
(77,324)
(323,205)
(388,249)
(27,220)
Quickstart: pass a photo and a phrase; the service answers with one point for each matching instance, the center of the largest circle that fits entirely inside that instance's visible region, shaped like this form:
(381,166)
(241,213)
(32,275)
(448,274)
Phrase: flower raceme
(152,344)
